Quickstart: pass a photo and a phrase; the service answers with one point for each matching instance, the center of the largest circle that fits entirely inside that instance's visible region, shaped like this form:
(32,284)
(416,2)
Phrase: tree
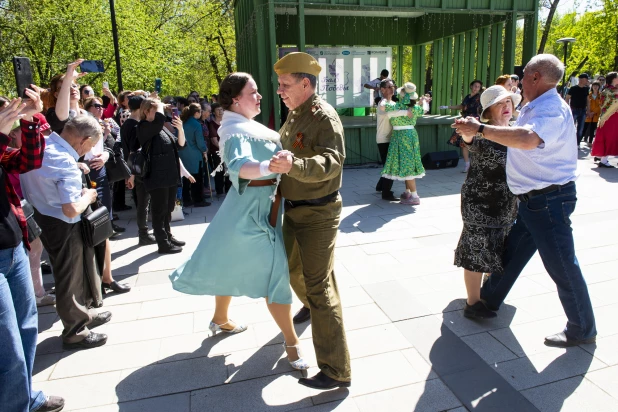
(551,5)
(189,44)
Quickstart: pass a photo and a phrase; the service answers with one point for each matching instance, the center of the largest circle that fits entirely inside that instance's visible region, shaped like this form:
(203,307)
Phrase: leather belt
(274,208)
(527,196)
(321,201)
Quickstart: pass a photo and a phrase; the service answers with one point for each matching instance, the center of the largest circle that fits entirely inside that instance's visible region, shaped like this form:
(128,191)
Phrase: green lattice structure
(471,39)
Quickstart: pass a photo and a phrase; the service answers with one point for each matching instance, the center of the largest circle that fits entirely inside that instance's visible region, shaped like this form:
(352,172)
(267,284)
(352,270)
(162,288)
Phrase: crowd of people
(282,210)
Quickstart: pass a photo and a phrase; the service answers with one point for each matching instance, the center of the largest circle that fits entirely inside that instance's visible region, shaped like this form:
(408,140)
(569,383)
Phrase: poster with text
(345,71)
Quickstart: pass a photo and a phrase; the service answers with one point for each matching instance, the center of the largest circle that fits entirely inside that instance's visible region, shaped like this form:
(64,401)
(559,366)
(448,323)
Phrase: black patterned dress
(488,209)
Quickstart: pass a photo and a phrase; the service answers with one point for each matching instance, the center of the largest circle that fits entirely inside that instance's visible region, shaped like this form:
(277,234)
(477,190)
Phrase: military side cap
(297,62)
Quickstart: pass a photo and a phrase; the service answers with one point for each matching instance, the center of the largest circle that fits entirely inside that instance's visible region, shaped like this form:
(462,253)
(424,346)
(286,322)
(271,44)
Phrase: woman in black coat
(163,177)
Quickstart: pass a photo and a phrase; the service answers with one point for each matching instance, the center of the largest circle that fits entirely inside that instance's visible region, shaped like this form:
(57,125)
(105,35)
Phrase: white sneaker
(46,300)
(465,169)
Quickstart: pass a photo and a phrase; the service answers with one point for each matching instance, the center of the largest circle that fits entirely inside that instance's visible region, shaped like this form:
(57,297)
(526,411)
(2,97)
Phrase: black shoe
(147,239)
(478,311)
(52,404)
(46,269)
(115,287)
(122,208)
(101,319)
(601,164)
(561,340)
(168,248)
(117,228)
(390,196)
(321,381)
(176,242)
(201,204)
(597,159)
(302,315)
(93,340)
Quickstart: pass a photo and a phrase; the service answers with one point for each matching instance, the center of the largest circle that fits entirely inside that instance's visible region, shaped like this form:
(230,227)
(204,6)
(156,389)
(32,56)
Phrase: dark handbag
(96,224)
(34,231)
(117,169)
(139,163)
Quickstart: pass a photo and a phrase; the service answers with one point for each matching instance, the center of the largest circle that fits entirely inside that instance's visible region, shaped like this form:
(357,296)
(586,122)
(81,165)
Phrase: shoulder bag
(139,162)
(116,167)
(96,224)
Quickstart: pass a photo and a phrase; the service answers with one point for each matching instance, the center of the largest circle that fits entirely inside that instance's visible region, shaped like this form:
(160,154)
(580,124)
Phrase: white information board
(345,70)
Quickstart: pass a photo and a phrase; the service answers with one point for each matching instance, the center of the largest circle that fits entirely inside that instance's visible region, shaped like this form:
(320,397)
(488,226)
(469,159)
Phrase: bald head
(548,66)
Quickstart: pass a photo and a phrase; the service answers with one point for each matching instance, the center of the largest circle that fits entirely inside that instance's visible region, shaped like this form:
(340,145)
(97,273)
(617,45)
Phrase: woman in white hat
(488,208)
(403,161)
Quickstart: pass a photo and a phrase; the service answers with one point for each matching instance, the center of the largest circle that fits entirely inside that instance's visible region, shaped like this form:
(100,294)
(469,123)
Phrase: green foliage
(597,38)
(189,44)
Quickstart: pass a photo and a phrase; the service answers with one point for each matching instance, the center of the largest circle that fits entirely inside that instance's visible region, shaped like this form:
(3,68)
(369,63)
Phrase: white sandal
(299,364)
(214,328)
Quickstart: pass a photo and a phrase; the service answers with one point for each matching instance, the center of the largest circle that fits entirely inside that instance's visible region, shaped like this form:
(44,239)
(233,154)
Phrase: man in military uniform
(312,165)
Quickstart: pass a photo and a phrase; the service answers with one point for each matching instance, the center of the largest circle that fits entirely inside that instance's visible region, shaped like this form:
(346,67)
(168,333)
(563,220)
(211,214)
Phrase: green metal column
(438,100)
(495,56)
(531,23)
(469,59)
(263,75)
(509,43)
(301,25)
(482,45)
(272,39)
(458,70)
(400,63)
(447,71)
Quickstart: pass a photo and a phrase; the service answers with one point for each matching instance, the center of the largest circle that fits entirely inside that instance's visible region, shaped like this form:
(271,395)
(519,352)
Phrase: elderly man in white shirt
(541,171)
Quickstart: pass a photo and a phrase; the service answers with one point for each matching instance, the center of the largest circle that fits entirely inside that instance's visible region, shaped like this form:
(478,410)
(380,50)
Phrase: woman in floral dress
(488,208)
(470,106)
(403,161)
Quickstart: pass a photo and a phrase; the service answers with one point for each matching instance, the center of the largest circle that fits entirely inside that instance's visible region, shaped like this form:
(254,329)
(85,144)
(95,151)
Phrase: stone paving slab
(411,348)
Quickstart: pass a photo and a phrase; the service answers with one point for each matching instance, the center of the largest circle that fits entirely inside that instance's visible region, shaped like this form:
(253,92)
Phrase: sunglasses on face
(97,106)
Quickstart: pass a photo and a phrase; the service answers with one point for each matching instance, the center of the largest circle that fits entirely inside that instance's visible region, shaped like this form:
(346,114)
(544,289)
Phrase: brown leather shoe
(561,340)
(52,404)
(322,381)
(302,315)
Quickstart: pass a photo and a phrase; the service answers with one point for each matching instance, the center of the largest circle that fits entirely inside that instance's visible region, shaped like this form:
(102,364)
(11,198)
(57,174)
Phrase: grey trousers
(64,244)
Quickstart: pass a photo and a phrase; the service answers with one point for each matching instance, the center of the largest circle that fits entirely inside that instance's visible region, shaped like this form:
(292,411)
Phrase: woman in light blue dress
(242,251)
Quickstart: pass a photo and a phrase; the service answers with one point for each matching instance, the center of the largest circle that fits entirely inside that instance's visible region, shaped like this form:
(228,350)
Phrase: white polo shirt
(553,162)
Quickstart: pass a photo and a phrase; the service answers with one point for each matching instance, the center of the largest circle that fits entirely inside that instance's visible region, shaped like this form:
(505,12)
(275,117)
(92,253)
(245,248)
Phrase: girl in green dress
(404,153)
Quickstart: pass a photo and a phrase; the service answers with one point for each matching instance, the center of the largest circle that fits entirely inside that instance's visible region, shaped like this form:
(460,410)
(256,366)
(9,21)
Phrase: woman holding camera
(163,170)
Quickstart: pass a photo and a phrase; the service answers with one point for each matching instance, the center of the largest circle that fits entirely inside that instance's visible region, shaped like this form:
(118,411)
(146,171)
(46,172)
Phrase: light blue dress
(240,253)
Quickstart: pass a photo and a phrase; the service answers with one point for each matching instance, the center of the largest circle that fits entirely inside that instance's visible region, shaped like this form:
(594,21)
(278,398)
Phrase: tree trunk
(550,17)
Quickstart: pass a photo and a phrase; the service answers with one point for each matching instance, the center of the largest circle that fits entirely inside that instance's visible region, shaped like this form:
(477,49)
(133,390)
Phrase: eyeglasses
(97,106)
(601,79)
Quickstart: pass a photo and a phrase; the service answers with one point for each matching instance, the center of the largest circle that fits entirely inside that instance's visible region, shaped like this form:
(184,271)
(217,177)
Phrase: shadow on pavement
(479,385)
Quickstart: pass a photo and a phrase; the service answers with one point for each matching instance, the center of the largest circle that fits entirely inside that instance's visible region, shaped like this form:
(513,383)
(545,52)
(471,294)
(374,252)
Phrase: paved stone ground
(411,347)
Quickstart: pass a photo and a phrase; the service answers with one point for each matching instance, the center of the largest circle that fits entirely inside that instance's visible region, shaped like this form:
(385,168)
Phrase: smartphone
(106,85)
(157,85)
(92,66)
(23,74)
(175,112)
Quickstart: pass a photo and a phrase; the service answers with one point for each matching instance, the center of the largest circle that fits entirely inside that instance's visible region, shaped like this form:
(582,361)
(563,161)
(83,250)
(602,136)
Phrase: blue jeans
(579,117)
(18,333)
(543,223)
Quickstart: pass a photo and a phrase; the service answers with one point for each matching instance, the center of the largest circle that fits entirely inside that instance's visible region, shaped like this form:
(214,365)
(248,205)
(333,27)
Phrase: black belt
(322,201)
(527,196)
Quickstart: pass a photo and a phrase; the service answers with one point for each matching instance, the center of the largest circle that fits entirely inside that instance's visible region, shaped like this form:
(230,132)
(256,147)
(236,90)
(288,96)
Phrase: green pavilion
(470,39)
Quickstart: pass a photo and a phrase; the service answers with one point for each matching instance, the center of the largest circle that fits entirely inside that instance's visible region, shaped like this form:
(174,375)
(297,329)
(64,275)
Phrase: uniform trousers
(309,233)
(65,247)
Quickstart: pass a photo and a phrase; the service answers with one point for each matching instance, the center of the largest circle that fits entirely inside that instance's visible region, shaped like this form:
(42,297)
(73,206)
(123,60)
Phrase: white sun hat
(410,89)
(493,95)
